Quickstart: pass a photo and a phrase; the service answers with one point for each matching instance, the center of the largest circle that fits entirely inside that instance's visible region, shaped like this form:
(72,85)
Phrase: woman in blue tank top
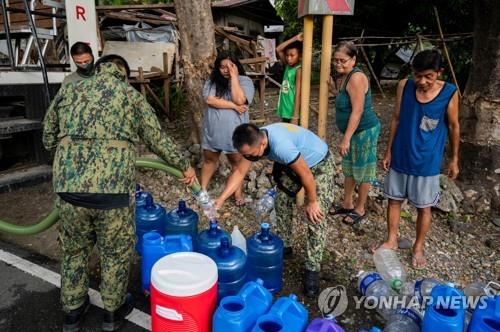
(426,112)
(360,127)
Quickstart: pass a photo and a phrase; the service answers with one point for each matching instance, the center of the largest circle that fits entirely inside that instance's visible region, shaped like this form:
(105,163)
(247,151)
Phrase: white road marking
(137,317)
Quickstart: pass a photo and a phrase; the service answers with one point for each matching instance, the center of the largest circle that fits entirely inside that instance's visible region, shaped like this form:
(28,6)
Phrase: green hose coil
(53,216)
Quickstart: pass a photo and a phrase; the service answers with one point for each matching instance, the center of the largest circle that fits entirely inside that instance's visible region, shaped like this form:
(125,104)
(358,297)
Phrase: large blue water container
(265,258)
(286,315)
(182,220)
(486,317)
(140,196)
(149,217)
(447,310)
(154,247)
(231,267)
(324,325)
(208,240)
(239,313)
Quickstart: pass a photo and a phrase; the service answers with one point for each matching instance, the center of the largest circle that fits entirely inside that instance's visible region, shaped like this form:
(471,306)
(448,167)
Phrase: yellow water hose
(53,216)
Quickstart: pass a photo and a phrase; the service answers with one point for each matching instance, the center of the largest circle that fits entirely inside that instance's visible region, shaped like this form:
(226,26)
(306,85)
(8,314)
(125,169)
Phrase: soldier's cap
(116,59)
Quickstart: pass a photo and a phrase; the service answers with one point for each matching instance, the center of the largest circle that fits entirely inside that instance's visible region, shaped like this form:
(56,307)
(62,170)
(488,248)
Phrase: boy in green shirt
(290,53)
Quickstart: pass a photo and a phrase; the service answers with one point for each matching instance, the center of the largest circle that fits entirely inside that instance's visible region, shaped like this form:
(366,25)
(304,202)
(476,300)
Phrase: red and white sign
(325,7)
(82,24)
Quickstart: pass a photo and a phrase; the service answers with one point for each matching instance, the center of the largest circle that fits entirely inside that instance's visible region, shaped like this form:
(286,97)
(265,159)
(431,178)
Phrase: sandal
(339,209)
(356,218)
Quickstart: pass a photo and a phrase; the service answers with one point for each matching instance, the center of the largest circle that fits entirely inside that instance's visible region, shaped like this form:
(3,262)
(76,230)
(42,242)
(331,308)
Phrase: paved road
(28,303)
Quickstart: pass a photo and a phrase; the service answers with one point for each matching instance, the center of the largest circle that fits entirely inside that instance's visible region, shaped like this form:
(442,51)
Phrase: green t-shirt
(287,93)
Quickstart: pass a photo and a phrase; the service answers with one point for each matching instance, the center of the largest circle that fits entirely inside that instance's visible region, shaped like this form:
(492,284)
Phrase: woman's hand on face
(233,69)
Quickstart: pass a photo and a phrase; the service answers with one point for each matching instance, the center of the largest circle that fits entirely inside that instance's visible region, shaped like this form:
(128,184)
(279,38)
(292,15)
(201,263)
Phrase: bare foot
(386,245)
(418,260)
(239,201)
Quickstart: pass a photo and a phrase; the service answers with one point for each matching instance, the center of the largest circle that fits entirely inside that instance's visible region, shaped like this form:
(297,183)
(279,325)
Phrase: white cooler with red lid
(183,293)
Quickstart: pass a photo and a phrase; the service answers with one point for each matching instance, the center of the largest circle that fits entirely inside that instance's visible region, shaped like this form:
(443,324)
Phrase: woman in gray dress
(228,94)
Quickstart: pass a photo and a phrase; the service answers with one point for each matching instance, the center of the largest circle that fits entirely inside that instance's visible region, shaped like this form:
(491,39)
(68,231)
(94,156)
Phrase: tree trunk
(480,112)
(196,28)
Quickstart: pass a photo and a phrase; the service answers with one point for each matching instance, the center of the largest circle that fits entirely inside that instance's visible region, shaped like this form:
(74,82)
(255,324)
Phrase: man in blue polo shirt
(301,160)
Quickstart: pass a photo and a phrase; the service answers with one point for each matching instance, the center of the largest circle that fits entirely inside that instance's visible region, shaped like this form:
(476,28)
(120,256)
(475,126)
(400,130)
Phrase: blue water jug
(182,220)
(208,240)
(486,317)
(149,217)
(286,315)
(447,310)
(231,267)
(265,258)
(154,247)
(239,313)
(324,325)
(140,196)
(373,329)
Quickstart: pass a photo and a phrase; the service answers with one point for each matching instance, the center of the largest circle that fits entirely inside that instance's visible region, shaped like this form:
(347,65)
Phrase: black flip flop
(339,209)
(356,218)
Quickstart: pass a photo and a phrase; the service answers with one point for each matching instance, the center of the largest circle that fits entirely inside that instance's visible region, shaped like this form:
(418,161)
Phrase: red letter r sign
(80,11)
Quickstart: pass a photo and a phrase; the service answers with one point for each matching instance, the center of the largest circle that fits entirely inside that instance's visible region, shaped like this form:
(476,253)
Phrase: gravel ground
(462,247)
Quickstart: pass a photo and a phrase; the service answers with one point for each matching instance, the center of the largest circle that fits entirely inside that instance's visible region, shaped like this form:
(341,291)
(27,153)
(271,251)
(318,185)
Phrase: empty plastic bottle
(181,220)
(239,239)
(446,311)
(389,267)
(420,289)
(286,314)
(265,205)
(404,320)
(473,293)
(231,268)
(207,205)
(140,196)
(371,285)
(149,217)
(486,318)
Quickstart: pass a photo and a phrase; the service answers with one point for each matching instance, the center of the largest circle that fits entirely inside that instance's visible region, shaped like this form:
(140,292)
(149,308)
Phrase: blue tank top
(419,142)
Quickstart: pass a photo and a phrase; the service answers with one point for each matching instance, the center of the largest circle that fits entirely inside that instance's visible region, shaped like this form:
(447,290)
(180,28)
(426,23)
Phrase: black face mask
(252,158)
(86,70)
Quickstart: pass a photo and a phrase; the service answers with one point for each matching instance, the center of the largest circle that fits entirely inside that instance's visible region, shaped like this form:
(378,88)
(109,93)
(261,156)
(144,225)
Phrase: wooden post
(445,49)
(368,63)
(166,85)
(305,92)
(141,80)
(326,58)
(262,87)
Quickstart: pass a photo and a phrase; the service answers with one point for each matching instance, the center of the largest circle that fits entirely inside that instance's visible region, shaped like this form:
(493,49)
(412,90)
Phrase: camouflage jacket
(95,127)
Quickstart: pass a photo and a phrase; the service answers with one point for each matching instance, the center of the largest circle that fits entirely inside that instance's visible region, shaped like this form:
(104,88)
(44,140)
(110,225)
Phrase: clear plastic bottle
(265,205)
(389,267)
(404,320)
(207,204)
(238,239)
(473,292)
(420,289)
(371,285)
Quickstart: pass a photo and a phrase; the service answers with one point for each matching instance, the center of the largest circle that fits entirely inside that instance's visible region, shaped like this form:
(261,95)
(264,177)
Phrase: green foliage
(287,9)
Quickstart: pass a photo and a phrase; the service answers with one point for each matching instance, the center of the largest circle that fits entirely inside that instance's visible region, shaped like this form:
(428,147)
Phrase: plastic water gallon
(486,319)
(154,247)
(149,217)
(265,258)
(231,265)
(286,314)
(183,293)
(447,311)
(208,240)
(182,220)
(239,313)
(324,325)
(140,196)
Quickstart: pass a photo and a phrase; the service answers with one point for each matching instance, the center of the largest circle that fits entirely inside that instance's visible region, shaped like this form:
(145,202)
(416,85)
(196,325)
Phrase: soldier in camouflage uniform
(301,160)
(95,127)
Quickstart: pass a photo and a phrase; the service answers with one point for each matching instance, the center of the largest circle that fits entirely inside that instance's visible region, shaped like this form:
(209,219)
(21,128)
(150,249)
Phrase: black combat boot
(74,318)
(113,320)
(311,283)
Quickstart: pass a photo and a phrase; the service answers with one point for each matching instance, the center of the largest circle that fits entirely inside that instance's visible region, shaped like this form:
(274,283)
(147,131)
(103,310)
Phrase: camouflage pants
(79,230)
(285,208)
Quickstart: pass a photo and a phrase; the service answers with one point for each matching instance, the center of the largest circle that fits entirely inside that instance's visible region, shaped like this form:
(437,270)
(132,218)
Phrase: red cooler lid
(184,274)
